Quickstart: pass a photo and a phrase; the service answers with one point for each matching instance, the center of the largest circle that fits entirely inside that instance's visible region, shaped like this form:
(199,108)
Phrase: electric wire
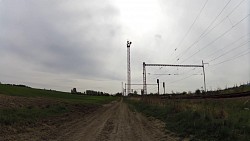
(188,31)
(233,58)
(228,45)
(180,79)
(215,18)
(224,33)
(226,17)
(204,33)
(237,47)
(241,54)
(186,77)
(208,26)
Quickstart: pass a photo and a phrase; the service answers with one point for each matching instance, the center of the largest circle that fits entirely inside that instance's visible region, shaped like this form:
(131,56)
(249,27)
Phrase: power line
(216,18)
(229,51)
(182,73)
(232,43)
(187,71)
(184,37)
(208,26)
(233,58)
(226,17)
(173,74)
(162,65)
(195,73)
(157,76)
(216,38)
(201,37)
(180,79)
(243,53)
(165,74)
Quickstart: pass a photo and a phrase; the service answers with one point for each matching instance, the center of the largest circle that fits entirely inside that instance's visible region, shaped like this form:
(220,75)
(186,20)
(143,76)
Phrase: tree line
(90,92)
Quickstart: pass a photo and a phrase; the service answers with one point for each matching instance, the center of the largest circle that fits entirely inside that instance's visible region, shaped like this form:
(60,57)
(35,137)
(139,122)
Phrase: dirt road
(114,122)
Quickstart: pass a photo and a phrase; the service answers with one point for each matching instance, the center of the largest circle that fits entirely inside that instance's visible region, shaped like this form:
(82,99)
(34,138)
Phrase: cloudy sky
(61,44)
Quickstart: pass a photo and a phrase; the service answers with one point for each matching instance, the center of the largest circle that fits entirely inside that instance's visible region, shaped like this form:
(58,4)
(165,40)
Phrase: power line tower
(144,65)
(128,68)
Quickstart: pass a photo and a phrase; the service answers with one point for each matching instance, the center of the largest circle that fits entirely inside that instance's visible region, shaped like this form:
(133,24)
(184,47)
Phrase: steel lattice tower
(128,68)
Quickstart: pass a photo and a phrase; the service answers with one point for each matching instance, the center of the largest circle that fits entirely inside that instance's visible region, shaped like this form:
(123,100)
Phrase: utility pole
(158,82)
(128,68)
(203,68)
(163,87)
(125,89)
(144,78)
(122,90)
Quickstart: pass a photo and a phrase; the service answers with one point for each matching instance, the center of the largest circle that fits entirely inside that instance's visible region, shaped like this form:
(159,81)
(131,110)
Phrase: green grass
(243,88)
(227,119)
(64,96)
(30,114)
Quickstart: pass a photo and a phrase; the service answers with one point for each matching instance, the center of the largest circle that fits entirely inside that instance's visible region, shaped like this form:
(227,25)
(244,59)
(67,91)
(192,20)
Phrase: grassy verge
(227,119)
(57,95)
(51,103)
(29,115)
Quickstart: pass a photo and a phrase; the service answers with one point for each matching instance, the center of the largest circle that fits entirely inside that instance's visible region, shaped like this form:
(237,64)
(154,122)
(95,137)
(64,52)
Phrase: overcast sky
(61,44)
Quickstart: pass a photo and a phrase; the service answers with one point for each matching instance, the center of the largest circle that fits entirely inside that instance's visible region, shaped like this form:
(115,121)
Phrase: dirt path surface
(110,122)
(114,122)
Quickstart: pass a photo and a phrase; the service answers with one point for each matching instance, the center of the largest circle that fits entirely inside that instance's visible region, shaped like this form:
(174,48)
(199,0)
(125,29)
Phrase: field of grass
(59,103)
(243,88)
(204,119)
(57,95)
(29,115)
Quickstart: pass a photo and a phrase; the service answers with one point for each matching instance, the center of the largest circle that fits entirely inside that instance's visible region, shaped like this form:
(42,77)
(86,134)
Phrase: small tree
(73,91)
(118,94)
(198,91)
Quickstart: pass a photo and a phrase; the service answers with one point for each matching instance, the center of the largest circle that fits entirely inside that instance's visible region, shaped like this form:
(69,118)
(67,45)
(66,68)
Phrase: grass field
(29,115)
(204,119)
(64,96)
(38,103)
(242,88)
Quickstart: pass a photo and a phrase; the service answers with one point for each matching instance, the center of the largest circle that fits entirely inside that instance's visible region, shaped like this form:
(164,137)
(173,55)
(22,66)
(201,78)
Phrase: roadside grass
(30,114)
(52,94)
(204,119)
(242,88)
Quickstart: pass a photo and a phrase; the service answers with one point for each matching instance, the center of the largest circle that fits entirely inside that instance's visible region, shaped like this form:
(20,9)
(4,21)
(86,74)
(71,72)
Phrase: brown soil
(114,122)
(20,102)
(111,122)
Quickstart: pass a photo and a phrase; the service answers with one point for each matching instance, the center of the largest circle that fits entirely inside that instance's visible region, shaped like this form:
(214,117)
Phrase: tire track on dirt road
(114,122)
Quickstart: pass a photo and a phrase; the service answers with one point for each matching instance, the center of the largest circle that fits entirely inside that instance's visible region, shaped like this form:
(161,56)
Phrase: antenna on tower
(128,68)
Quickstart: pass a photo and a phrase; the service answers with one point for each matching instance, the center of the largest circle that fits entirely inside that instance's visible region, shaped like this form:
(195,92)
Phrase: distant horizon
(47,88)
(60,44)
(138,92)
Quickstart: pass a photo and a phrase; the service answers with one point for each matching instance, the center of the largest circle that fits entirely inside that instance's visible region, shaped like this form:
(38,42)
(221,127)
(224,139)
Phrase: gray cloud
(59,39)
(61,44)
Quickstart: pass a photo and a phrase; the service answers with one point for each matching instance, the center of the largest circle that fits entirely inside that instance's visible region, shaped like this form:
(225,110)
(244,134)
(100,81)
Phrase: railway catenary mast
(128,68)
(169,65)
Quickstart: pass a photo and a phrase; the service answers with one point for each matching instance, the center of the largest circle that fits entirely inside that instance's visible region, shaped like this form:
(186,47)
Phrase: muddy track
(113,122)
